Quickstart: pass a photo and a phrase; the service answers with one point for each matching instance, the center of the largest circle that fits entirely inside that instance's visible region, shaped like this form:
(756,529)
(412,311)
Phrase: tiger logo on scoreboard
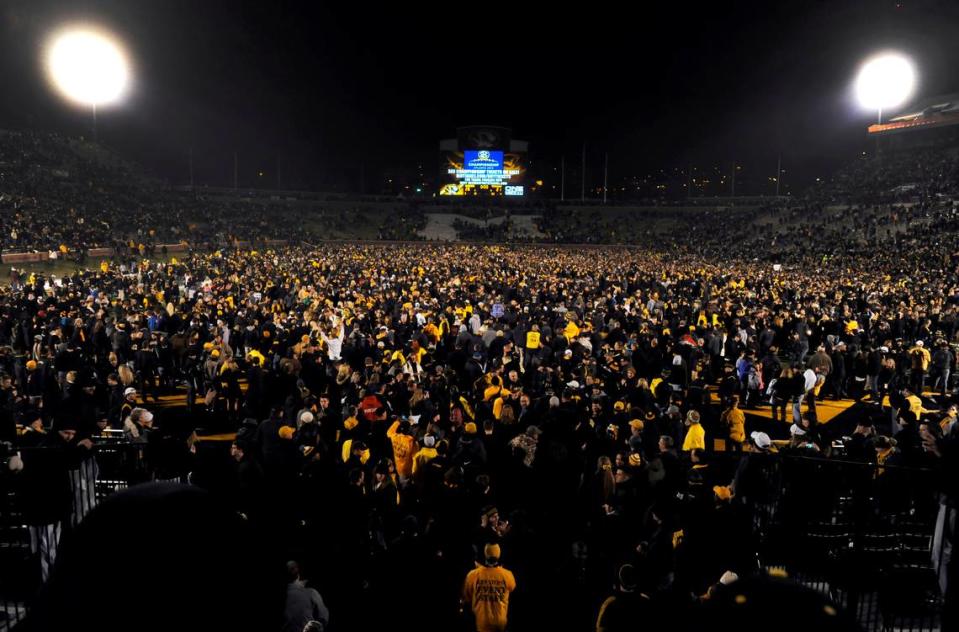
(483,137)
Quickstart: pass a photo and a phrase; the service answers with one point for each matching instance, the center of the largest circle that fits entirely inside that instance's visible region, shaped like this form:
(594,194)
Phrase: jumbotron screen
(483,172)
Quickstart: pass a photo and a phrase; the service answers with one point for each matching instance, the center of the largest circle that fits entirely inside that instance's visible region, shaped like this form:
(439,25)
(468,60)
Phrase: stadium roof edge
(928,113)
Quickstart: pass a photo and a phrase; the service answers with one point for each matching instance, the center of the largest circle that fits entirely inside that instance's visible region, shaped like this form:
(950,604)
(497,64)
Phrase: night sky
(330,86)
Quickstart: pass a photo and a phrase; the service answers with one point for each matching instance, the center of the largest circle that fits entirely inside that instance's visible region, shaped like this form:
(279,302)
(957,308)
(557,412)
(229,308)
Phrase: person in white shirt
(224,331)
(334,345)
(811,379)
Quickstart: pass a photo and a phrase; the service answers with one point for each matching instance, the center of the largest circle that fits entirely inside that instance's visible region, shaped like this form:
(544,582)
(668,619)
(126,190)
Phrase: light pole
(88,67)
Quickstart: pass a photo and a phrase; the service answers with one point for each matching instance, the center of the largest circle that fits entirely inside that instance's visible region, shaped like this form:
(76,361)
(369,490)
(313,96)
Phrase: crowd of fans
(67,196)
(500,231)
(893,176)
(463,435)
(405,224)
(426,416)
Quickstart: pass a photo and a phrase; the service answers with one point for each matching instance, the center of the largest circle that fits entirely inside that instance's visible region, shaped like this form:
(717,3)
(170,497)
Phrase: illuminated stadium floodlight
(885,81)
(88,67)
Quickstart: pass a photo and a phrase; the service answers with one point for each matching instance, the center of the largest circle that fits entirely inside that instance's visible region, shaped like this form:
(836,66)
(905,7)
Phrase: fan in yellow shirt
(486,591)
(695,434)
(403,443)
(571,332)
(734,420)
(532,338)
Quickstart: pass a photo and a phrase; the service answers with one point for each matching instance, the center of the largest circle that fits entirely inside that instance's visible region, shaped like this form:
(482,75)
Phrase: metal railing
(862,534)
(115,465)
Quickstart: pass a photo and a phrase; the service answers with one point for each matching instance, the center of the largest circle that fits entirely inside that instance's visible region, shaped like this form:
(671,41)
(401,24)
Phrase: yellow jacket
(491,391)
(498,407)
(735,419)
(921,356)
(695,438)
(655,385)
(422,458)
(916,407)
(571,331)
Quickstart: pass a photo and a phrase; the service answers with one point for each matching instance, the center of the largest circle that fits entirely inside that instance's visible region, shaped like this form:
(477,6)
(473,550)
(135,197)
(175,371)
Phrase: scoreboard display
(483,160)
(483,172)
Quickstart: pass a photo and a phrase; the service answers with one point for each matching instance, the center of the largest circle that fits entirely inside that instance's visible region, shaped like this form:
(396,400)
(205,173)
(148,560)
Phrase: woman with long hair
(126,375)
(604,483)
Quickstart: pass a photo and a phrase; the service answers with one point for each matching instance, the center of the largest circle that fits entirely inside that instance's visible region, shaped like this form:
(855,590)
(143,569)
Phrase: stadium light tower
(885,81)
(88,67)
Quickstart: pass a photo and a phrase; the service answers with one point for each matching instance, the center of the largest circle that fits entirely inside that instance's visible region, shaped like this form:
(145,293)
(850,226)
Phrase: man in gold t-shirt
(487,590)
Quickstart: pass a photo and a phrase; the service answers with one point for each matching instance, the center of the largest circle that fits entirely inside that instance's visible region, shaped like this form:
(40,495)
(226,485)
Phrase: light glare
(87,67)
(885,81)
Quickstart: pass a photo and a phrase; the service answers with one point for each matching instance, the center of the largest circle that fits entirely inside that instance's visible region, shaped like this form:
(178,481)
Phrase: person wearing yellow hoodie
(424,455)
(403,443)
(920,358)
(486,592)
(914,402)
(571,331)
(695,434)
(495,388)
(734,421)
